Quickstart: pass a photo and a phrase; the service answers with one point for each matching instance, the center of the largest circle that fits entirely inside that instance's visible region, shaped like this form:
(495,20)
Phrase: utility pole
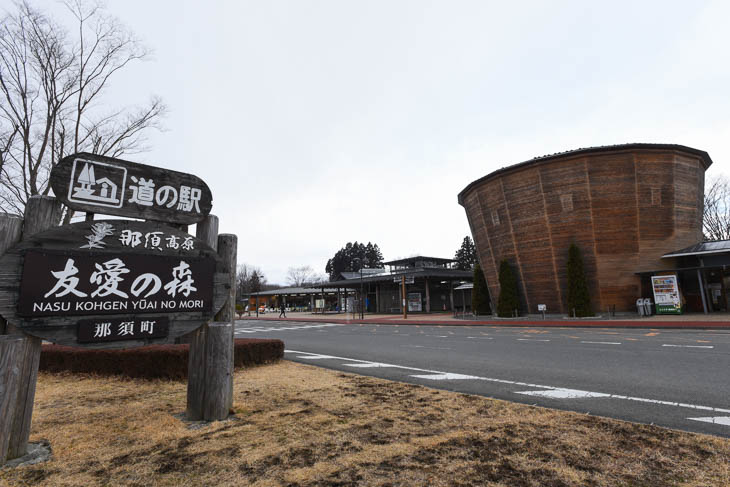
(403,296)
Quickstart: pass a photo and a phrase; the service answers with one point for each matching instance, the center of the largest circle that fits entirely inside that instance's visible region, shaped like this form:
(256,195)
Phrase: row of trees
(353,257)
(52,82)
(508,303)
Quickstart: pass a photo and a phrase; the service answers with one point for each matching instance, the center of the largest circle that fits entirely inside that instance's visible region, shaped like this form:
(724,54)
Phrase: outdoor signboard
(414,302)
(399,279)
(99,184)
(113,283)
(666,294)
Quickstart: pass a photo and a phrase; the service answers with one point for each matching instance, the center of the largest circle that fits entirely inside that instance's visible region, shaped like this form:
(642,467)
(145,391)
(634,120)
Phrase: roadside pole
(403,296)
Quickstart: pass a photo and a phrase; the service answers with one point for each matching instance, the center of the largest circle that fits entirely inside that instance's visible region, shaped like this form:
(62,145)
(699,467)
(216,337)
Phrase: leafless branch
(51,87)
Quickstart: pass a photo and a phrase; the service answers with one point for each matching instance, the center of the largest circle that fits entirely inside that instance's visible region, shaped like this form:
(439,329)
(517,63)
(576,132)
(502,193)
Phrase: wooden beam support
(41,213)
(218,371)
(228,251)
(11,227)
(11,351)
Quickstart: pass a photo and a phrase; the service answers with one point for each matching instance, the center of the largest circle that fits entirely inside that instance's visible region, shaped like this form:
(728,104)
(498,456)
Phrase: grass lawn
(298,425)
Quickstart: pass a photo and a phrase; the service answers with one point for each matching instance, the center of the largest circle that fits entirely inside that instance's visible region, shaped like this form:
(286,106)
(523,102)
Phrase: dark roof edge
(704,156)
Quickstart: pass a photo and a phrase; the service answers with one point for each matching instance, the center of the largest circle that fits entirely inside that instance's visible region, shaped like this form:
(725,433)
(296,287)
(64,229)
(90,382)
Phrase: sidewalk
(713,320)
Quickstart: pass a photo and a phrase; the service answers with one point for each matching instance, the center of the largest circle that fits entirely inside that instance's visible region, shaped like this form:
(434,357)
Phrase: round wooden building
(624,206)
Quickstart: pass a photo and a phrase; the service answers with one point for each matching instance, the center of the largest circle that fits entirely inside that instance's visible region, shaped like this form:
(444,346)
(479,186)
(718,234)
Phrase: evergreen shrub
(508,298)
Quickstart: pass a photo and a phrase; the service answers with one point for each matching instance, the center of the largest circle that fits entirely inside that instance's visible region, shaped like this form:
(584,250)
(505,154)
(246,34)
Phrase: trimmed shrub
(153,362)
(579,298)
(480,294)
(508,297)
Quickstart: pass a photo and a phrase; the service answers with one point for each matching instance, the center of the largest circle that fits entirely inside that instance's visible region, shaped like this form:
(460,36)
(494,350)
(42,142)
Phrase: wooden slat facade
(624,207)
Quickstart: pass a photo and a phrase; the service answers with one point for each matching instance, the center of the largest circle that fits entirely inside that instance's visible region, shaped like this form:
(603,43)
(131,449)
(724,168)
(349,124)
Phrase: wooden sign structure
(111,284)
(98,184)
(115,283)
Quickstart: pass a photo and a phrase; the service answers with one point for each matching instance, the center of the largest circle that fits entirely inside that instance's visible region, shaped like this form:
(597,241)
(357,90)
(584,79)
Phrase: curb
(517,323)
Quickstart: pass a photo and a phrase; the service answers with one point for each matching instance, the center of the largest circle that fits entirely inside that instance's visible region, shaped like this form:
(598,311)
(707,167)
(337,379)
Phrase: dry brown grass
(298,425)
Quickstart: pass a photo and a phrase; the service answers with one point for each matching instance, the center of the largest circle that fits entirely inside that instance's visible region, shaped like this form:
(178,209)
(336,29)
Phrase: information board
(414,302)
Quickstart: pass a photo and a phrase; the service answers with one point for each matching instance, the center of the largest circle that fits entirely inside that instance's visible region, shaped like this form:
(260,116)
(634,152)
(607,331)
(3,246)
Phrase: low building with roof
(429,286)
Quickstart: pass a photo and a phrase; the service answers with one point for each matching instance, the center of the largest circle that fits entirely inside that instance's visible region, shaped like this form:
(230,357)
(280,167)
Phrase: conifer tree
(579,299)
(480,294)
(508,300)
(466,256)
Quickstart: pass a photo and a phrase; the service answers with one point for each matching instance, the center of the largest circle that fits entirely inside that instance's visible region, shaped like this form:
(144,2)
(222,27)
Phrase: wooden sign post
(115,283)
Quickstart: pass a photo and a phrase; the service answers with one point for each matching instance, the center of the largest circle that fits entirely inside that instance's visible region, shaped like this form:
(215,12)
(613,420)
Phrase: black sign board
(73,284)
(98,184)
(60,283)
(115,329)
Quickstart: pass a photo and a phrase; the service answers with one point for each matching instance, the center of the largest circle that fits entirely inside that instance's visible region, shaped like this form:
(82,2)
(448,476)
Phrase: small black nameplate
(115,329)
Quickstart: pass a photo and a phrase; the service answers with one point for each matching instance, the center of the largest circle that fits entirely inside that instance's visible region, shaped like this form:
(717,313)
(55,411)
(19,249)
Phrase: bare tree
(716,214)
(303,276)
(51,86)
(249,279)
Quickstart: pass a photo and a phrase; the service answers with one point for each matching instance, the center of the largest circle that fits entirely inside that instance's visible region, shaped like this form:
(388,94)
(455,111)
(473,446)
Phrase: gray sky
(316,123)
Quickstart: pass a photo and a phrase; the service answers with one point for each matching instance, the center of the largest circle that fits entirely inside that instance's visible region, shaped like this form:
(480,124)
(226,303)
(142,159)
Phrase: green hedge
(153,362)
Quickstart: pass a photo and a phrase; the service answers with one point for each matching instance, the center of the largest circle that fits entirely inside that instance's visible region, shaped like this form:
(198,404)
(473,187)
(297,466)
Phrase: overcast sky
(316,123)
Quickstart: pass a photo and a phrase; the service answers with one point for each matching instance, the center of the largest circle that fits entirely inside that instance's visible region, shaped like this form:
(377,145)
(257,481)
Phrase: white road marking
(368,365)
(315,357)
(723,420)
(447,376)
(482,338)
(604,343)
(259,329)
(688,346)
(444,376)
(564,394)
(532,340)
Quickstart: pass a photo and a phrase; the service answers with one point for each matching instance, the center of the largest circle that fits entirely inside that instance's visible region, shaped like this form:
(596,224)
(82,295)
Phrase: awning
(702,248)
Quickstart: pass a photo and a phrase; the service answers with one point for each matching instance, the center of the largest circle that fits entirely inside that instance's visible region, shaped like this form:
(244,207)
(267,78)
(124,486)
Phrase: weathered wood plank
(207,231)
(28,365)
(196,374)
(218,371)
(105,185)
(41,213)
(228,250)
(11,227)
(11,348)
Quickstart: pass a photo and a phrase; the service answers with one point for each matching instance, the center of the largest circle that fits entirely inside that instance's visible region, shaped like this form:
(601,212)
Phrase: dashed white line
(440,375)
(688,346)
(533,340)
(603,343)
(564,394)
(446,376)
(723,420)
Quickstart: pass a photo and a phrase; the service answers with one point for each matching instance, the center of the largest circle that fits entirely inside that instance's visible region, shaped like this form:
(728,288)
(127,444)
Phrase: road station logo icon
(97,183)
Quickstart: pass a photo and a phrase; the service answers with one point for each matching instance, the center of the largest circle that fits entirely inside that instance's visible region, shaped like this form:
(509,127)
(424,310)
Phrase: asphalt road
(673,378)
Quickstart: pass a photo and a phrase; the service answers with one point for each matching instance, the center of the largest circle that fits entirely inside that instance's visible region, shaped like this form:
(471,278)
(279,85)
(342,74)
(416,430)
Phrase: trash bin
(640,306)
(648,309)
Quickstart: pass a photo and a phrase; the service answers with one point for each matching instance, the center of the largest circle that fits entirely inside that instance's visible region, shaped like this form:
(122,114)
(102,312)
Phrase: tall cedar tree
(578,296)
(480,294)
(466,256)
(354,256)
(508,300)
